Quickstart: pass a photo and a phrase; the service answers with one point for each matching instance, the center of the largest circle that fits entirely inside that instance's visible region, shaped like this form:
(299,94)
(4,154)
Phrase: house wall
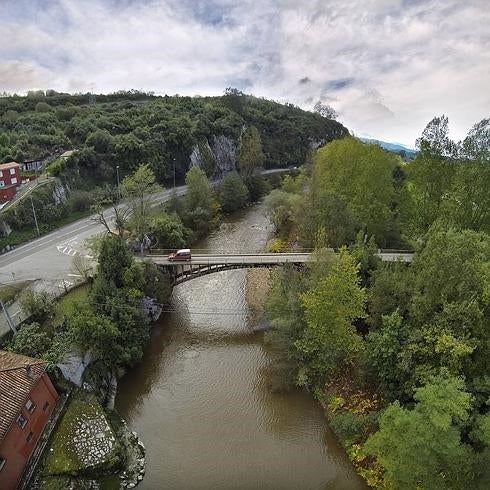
(9,178)
(15,448)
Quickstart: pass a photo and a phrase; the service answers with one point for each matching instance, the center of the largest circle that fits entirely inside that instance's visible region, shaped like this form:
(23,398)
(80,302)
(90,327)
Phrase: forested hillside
(132,128)
(398,354)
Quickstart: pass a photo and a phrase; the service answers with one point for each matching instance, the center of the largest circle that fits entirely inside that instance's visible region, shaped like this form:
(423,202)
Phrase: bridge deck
(263,258)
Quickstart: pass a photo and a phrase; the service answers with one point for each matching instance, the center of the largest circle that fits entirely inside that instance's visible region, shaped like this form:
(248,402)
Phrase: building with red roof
(27,400)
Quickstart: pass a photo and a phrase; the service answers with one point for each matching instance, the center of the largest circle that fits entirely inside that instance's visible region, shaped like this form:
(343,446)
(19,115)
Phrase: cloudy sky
(387,66)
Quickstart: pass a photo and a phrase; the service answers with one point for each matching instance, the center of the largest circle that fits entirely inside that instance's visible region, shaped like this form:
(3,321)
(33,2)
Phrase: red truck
(183,254)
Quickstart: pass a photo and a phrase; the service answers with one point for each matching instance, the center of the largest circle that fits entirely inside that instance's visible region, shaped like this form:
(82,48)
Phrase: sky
(386,66)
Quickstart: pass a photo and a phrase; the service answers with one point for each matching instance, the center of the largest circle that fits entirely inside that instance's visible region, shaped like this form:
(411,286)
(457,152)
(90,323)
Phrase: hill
(130,128)
(394,147)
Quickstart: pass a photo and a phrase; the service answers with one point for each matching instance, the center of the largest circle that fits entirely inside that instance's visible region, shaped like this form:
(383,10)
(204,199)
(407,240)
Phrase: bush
(80,201)
(30,341)
(347,425)
(38,306)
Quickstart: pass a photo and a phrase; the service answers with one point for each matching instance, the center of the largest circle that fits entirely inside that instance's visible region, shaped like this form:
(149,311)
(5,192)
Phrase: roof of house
(18,376)
(67,154)
(6,166)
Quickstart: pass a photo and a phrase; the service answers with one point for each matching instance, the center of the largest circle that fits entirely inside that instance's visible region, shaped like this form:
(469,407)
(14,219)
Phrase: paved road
(264,258)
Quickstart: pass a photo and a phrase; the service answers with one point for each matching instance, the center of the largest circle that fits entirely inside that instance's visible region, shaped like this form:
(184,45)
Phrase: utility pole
(35,217)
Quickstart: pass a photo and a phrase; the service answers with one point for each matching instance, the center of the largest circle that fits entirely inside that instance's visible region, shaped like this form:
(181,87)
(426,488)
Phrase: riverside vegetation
(399,355)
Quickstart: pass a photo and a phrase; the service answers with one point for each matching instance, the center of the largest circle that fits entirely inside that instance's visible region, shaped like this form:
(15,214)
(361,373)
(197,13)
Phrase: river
(200,399)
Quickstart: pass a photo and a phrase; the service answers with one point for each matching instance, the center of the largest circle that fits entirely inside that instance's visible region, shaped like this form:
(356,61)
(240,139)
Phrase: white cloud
(387,66)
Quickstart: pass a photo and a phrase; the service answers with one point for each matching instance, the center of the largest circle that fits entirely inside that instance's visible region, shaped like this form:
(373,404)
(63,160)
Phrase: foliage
(281,208)
(137,188)
(31,340)
(233,193)
(430,454)
(361,177)
(325,110)
(200,207)
(38,306)
(169,231)
(127,128)
(330,339)
(250,154)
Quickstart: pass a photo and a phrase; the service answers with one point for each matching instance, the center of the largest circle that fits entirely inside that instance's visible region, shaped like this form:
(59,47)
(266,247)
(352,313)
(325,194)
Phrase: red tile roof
(18,376)
(6,166)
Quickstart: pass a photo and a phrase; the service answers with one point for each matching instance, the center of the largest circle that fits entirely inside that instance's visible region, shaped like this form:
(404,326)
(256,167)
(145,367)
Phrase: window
(1,173)
(2,463)
(29,436)
(30,405)
(12,171)
(13,180)
(45,406)
(2,183)
(21,421)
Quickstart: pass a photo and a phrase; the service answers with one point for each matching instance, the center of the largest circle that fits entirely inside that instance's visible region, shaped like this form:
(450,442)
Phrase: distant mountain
(394,147)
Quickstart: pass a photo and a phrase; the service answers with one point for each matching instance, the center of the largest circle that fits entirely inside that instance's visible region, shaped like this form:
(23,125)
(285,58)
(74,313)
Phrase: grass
(10,291)
(66,305)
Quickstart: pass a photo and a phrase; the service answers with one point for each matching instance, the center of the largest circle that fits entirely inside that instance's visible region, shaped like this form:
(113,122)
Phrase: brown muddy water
(200,399)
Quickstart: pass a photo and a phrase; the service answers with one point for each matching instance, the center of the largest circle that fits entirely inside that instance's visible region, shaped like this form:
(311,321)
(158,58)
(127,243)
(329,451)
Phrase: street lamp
(174,173)
(118,188)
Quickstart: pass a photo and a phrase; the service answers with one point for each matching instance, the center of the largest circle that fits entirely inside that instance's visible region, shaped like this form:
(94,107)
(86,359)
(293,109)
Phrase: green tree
(250,154)
(138,188)
(422,448)
(363,176)
(281,207)
(200,206)
(233,193)
(38,306)
(97,333)
(330,339)
(31,340)
(169,231)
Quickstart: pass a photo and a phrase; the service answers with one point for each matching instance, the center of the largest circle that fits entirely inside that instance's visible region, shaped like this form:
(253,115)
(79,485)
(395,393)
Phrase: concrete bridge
(203,264)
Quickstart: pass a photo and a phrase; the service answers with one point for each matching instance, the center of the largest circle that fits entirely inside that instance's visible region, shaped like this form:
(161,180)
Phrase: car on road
(183,254)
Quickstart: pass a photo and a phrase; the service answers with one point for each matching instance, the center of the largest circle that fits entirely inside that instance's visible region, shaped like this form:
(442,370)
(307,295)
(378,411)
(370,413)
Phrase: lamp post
(118,187)
(174,172)
(35,217)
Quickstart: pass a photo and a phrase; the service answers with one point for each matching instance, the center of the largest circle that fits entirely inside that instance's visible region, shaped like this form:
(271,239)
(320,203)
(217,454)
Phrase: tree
(325,110)
(431,173)
(114,260)
(38,306)
(31,341)
(138,188)
(362,175)
(169,231)
(96,333)
(250,155)
(233,193)
(330,339)
(199,203)
(281,208)
(101,140)
(422,448)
